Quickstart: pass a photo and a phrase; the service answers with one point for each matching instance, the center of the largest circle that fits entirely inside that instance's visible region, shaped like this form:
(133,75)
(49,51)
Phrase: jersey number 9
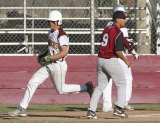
(105,40)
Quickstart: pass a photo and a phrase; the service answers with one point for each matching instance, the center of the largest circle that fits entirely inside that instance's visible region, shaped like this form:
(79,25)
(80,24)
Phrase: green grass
(47,108)
(58,108)
(147,107)
(74,108)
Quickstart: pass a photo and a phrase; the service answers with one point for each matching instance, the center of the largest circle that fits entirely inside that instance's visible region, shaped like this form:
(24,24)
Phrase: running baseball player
(108,66)
(53,65)
(107,98)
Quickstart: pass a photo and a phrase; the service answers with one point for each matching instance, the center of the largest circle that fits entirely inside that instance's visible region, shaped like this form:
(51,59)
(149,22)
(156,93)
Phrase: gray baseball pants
(106,69)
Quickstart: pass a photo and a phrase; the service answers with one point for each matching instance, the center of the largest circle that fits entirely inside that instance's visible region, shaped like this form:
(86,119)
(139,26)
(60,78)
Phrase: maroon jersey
(112,40)
(61,32)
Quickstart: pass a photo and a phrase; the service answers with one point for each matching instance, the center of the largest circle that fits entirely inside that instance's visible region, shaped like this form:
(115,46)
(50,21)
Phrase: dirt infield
(138,115)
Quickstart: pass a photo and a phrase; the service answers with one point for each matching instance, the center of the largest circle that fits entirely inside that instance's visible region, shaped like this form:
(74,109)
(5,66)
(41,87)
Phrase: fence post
(158,27)
(144,44)
(92,28)
(25,12)
(118,2)
(32,47)
(25,35)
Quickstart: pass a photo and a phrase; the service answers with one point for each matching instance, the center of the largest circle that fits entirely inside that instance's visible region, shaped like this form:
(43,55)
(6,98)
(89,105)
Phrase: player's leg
(116,72)
(129,79)
(102,83)
(39,77)
(107,97)
(58,73)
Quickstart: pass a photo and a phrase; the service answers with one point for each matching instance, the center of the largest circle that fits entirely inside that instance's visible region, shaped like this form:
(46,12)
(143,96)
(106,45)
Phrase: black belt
(56,61)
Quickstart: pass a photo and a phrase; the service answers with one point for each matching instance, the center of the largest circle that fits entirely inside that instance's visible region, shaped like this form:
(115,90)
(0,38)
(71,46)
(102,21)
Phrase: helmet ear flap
(59,22)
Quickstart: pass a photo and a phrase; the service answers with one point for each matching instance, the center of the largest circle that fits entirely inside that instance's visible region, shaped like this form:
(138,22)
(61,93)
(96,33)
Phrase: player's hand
(136,57)
(128,63)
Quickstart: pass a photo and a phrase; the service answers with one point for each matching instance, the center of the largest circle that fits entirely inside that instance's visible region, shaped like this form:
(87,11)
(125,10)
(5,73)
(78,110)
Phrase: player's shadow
(75,109)
(59,116)
(140,109)
(66,108)
(65,116)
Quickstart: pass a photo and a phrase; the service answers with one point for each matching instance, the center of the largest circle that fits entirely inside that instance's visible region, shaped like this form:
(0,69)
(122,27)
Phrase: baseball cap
(119,14)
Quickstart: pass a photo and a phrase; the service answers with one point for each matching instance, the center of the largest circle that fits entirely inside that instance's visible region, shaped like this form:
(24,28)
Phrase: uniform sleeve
(119,42)
(63,40)
(109,24)
(124,31)
(128,45)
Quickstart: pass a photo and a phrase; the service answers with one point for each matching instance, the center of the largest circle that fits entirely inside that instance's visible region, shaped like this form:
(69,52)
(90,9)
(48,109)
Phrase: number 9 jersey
(111,41)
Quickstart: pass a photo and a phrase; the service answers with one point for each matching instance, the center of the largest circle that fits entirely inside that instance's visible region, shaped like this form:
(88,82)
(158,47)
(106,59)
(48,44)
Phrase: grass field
(144,113)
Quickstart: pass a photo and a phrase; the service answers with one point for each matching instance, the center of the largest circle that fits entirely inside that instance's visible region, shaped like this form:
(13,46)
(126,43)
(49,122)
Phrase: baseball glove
(44,59)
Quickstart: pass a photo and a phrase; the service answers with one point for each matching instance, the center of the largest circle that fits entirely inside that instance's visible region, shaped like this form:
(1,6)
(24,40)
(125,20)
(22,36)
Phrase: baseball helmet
(55,16)
(119,8)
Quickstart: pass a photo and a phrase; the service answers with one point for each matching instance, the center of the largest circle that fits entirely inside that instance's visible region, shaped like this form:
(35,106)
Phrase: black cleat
(91,115)
(118,111)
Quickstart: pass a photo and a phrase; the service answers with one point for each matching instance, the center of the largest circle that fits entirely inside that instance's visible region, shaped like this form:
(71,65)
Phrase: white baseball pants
(107,93)
(106,69)
(57,72)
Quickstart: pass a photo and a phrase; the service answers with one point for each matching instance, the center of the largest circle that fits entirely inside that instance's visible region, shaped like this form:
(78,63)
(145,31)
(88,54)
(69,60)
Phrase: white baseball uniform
(56,70)
(107,93)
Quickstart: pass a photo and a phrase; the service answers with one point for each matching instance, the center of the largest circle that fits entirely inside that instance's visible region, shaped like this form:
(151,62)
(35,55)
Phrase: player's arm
(129,46)
(61,54)
(119,47)
(64,46)
(121,56)
(63,42)
(47,59)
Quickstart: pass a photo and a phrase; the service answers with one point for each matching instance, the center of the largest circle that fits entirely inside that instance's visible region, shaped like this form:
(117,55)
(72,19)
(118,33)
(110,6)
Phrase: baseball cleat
(118,111)
(18,112)
(89,88)
(91,115)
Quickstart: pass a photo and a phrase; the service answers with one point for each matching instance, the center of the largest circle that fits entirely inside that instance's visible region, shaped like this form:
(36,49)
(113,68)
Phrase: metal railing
(24,32)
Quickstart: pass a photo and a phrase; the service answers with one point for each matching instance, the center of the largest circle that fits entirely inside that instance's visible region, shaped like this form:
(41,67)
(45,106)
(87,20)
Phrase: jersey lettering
(105,40)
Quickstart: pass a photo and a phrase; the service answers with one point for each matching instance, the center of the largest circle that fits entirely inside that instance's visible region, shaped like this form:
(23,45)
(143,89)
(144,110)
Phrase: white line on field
(145,115)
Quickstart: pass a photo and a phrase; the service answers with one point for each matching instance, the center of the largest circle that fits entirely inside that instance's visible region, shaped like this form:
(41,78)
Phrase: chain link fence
(23,25)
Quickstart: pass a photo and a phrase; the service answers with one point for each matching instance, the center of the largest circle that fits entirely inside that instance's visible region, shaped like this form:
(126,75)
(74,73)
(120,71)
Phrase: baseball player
(108,66)
(107,100)
(53,65)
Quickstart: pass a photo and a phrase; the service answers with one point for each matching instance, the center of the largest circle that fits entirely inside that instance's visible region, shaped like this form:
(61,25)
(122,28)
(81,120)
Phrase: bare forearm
(61,54)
